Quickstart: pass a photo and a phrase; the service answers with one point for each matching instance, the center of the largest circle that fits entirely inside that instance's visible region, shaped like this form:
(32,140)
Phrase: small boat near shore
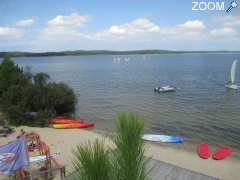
(60,122)
(74,125)
(163,89)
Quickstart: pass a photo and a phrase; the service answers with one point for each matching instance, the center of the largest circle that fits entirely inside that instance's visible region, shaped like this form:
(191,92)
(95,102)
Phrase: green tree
(22,93)
(61,98)
(9,73)
(41,79)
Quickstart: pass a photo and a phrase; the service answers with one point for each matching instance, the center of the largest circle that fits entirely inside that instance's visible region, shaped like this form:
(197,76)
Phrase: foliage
(42,118)
(61,97)
(127,160)
(91,162)
(22,92)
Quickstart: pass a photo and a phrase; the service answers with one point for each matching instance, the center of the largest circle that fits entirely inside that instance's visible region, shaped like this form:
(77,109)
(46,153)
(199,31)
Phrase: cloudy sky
(54,25)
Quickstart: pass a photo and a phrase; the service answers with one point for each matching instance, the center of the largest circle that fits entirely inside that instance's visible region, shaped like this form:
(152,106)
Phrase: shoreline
(64,140)
(187,145)
(144,52)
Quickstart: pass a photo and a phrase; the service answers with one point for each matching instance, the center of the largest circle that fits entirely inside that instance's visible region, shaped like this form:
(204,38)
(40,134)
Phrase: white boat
(165,89)
(116,59)
(232,76)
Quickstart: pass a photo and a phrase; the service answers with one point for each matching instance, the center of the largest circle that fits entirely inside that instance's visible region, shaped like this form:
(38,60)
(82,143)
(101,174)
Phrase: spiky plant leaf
(128,157)
(91,162)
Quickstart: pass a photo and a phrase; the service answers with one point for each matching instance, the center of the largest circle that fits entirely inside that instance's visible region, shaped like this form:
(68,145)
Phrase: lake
(201,110)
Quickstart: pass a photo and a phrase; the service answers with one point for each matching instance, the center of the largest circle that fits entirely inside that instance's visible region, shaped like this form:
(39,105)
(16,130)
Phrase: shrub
(128,157)
(127,160)
(61,98)
(22,93)
(91,162)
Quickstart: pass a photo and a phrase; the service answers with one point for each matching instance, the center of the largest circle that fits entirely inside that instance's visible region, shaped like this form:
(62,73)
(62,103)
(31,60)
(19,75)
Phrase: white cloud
(10,33)
(135,28)
(72,20)
(225,32)
(69,31)
(140,28)
(62,30)
(25,22)
(227,27)
(196,24)
(64,27)
(228,21)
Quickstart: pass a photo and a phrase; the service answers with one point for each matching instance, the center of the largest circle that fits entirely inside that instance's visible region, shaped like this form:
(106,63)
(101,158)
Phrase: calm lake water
(201,110)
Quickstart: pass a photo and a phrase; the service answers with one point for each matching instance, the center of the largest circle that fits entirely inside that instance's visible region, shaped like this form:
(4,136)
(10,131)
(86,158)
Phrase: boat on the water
(165,89)
(230,84)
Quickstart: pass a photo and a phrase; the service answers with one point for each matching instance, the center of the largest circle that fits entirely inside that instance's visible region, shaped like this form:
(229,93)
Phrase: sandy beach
(64,141)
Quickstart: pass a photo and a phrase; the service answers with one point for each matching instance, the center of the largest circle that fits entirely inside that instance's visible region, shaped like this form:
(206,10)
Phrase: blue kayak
(162,138)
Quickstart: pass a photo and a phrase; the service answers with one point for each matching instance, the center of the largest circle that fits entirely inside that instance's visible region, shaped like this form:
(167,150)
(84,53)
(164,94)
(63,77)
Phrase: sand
(64,141)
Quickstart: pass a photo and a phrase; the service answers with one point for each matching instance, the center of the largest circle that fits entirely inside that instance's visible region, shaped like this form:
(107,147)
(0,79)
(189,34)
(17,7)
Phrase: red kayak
(73,125)
(60,122)
(222,152)
(203,151)
(65,121)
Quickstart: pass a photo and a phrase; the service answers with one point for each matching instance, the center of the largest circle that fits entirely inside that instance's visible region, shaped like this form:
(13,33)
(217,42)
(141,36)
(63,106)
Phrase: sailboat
(232,76)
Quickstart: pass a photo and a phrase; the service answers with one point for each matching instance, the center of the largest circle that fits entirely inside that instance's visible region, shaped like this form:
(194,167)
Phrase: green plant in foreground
(91,162)
(126,162)
(128,157)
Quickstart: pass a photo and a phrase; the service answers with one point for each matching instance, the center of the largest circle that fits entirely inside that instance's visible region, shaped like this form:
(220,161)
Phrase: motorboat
(165,89)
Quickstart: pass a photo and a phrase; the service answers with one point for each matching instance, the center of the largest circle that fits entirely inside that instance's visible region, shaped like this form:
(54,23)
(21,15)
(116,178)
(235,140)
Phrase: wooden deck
(164,171)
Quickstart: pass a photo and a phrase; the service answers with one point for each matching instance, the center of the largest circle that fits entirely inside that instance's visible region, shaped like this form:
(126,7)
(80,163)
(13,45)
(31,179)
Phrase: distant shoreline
(102,52)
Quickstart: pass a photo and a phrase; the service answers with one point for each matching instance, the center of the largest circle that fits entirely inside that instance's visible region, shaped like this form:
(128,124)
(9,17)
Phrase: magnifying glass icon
(233,4)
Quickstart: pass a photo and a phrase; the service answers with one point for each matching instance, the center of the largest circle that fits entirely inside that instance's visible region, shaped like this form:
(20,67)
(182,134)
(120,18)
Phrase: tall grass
(126,162)
(128,157)
(91,162)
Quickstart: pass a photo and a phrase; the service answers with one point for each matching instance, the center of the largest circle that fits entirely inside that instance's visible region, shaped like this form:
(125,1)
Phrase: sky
(56,25)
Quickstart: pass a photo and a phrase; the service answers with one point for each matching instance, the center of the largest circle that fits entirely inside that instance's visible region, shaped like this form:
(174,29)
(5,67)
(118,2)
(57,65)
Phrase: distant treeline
(101,52)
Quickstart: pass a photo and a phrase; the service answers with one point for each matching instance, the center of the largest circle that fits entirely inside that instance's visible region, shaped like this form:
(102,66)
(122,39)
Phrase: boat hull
(65,121)
(232,86)
(164,89)
(73,125)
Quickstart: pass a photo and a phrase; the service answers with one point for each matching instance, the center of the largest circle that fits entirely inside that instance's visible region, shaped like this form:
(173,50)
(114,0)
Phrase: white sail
(233,71)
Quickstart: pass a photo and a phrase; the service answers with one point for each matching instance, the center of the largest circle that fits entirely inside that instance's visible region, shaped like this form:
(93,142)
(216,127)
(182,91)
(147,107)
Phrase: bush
(91,162)
(127,160)
(22,93)
(61,97)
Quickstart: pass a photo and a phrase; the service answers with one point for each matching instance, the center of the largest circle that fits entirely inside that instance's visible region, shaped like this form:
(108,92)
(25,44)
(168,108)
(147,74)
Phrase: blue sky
(29,25)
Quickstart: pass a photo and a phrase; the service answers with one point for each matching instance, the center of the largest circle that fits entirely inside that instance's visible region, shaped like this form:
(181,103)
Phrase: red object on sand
(203,151)
(65,121)
(74,125)
(222,153)
(59,122)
